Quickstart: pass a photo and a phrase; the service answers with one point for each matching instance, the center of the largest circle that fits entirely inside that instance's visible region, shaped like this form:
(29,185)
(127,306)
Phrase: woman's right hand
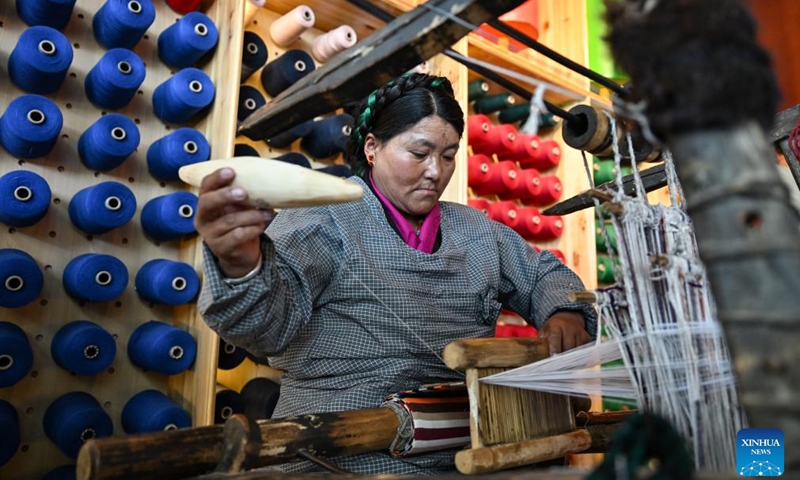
(229,226)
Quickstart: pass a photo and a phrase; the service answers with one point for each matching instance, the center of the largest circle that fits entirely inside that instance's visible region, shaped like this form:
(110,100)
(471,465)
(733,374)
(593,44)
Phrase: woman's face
(413,168)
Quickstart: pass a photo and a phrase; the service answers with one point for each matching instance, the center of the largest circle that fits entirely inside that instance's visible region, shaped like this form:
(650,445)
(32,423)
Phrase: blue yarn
(40,60)
(186,41)
(108,142)
(74,418)
(21,280)
(103,207)
(245,150)
(162,348)
(122,23)
(170,216)
(166,282)
(9,425)
(83,348)
(114,79)
(16,355)
(295,159)
(183,95)
(95,277)
(30,126)
(342,171)
(284,71)
(152,411)
(254,55)
(227,402)
(168,154)
(285,139)
(51,13)
(230,356)
(24,198)
(250,100)
(328,136)
(64,472)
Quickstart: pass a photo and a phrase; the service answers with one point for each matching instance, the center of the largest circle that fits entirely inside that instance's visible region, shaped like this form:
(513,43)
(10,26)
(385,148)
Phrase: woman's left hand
(564,331)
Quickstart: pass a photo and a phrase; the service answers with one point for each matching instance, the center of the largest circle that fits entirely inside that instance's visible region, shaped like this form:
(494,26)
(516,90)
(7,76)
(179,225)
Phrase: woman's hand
(229,226)
(565,330)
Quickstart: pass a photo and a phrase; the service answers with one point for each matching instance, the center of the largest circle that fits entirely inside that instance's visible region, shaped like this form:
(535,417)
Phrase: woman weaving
(356,301)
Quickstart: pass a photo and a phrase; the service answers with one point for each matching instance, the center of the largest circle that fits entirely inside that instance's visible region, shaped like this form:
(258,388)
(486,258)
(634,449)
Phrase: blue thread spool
(183,95)
(295,159)
(21,280)
(51,13)
(30,126)
(245,150)
(9,425)
(152,411)
(95,277)
(186,41)
(170,216)
(230,356)
(40,60)
(108,142)
(24,198)
(166,282)
(284,71)
(74,418)
(168,154)
(227,402)
(103,207)
(122,23)
(250,100)
(114,79)
(254,55)
(83,348)
(162,348)
(328,136)
(342,171)
(64,472)
(16,355)
(285,139)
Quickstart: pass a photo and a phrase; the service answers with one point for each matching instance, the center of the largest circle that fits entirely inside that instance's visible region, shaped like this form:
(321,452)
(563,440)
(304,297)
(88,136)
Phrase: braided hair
(397,106)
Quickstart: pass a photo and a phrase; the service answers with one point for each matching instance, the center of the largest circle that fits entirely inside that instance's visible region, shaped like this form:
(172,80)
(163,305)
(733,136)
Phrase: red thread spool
(504,212)
(531,225)
(528,186)
(533,152)
(550,192)
(502,177)
(478,127)
(183,6)
(479,204)
(558,254)
(500,139)
(478,173)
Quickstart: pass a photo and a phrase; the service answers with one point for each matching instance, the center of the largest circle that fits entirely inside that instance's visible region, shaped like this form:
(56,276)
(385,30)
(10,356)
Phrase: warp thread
(83,348)
(170,216)
(108,142)
(30,126)
(24,198)
(153,411)
(21,279)
(162,348)
(95,277)
(74,418)
(103,207)
(184,146)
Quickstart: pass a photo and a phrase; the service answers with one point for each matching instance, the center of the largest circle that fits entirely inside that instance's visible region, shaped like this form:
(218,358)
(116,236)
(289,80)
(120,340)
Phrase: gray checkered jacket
(352,314)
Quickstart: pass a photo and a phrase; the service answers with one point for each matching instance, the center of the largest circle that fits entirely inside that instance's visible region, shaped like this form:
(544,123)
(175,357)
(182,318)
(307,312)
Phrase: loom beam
(402,44)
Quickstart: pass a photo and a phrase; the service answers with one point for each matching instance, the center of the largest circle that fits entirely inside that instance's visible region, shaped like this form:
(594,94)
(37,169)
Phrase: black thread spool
(295,159)
(260,395)
(328,136)
(283,72)
(254,55)
(250,100)
(226,403)
(230,356)
(342,171)
(285,139)
(244,150)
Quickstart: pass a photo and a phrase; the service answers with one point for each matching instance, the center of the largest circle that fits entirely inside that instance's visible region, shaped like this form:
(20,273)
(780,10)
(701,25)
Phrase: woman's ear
(370,144)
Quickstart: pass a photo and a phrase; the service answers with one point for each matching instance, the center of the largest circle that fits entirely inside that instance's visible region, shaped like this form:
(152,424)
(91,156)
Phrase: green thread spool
(493,103)
(605,270)
(517,113)
(477,89)
(600,240)
(604,171)
(605,214)
(547,120)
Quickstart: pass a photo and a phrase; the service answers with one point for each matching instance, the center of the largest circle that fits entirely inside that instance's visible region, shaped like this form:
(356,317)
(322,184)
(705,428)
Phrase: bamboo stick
(494,352)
